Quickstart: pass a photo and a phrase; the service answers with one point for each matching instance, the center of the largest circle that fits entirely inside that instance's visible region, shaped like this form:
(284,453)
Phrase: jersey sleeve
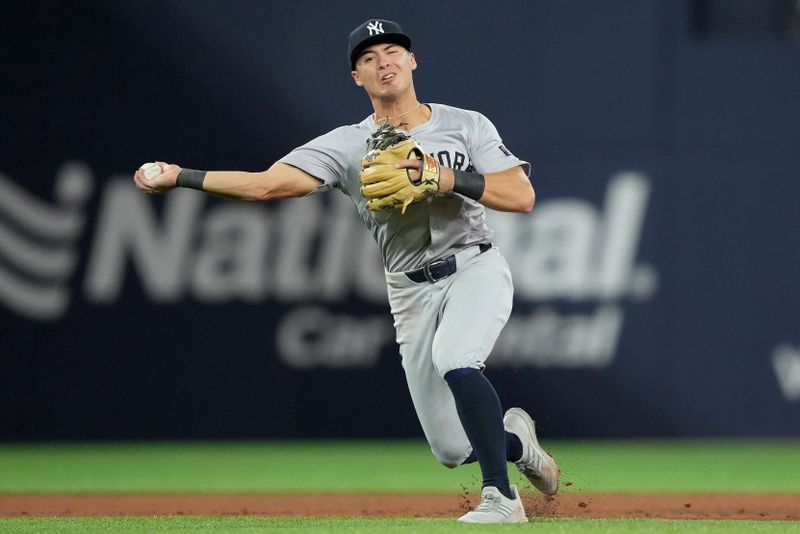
(321,158)
(489,154)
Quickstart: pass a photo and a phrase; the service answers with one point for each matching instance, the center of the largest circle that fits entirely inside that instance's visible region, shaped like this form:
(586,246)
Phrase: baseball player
(421,176)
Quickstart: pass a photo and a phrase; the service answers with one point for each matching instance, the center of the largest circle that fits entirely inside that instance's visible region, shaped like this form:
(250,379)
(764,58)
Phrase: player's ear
(413,59)
(357,78)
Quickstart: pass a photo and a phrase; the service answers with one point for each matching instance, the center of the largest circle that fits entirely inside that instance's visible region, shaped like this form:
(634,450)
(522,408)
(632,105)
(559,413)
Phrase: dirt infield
(669,506)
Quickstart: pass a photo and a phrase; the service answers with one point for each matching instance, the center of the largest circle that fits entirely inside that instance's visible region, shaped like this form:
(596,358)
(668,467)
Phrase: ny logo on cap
(375,27)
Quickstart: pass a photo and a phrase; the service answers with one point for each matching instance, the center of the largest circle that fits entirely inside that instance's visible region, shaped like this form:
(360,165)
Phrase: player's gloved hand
(386,182)
(156,177)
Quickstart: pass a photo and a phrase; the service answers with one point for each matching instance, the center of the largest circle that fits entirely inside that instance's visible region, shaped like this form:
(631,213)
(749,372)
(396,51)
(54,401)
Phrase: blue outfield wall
(656,281)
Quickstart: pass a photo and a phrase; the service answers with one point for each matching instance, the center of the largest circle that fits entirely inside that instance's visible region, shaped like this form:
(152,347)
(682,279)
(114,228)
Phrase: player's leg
(474,311)
(415,308)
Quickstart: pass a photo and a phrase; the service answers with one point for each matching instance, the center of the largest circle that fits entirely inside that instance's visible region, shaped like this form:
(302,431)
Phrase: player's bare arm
(277,182)
(508,190)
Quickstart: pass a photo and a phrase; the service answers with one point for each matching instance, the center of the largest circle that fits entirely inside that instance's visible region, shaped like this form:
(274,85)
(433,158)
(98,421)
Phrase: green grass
(132,525)
(404,466)
(683,466)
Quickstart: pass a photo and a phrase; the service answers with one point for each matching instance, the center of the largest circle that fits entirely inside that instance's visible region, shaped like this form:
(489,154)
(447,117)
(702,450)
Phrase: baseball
(151,170)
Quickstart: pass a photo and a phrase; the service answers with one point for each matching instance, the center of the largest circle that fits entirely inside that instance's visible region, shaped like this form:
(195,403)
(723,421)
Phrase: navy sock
(513,447)
(513,450)
(482,418)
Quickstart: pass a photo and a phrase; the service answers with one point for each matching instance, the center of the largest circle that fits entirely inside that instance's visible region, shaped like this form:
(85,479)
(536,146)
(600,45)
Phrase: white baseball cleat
(496,508)
(538,467)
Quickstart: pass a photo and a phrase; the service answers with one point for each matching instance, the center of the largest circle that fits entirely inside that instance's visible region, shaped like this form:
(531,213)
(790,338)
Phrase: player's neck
(405,114)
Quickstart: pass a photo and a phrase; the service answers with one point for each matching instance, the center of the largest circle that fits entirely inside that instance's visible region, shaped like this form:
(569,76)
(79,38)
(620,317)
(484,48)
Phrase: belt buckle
(426,270)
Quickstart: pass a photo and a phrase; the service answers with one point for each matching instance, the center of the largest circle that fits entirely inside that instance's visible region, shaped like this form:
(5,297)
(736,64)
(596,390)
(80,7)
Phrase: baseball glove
(387,187)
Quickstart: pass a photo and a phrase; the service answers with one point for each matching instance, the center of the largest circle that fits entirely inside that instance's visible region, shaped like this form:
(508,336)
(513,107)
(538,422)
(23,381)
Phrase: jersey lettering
(458,161)
(455,161)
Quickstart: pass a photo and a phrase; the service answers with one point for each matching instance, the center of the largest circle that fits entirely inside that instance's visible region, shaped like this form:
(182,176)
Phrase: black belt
(436,270)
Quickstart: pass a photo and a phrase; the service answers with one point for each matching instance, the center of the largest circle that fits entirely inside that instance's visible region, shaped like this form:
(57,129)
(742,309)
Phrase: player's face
(385,70)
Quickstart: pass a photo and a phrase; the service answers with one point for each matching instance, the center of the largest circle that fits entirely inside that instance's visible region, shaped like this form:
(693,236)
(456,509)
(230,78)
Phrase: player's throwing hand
(156,177)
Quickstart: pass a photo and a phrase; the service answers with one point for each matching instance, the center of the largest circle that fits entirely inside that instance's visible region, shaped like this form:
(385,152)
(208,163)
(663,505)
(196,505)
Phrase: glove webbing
(384,137)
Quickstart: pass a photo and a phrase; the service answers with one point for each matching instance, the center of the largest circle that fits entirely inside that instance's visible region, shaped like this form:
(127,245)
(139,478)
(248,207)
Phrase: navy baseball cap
(372,32)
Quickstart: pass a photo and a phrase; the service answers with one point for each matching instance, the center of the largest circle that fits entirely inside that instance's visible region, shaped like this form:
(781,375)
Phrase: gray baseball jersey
(454,322)
(442,225)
